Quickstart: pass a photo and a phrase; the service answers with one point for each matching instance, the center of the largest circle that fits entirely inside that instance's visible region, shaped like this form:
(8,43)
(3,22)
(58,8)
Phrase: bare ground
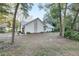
(43,44)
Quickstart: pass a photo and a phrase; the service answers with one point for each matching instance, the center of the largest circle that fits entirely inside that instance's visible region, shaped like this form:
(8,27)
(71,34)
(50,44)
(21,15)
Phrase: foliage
(52,14)
(54,11)
(1,31)
(4,11)
(74,35)
(25,7)
(28,33)
(4,8)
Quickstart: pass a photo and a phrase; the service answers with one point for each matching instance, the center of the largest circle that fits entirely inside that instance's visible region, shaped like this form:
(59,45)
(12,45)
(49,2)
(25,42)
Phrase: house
(36,26)
(49,28)
(3,27)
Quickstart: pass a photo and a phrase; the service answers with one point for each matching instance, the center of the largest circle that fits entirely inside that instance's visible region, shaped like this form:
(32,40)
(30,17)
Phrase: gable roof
(34,20)
(49,26)
(45,24)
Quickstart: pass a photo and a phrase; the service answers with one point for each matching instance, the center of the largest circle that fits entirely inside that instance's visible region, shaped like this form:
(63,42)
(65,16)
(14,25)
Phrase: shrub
(74,35)
(2,31)
(41,32)
(10,30)
(28,32)
(67,33)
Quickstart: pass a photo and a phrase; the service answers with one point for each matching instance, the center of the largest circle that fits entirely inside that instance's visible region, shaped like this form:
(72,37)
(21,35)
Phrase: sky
(36,12)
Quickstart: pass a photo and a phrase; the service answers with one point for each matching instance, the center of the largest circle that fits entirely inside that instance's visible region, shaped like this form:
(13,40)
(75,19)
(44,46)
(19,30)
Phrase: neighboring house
(49,28)
(3,27)
(36,26)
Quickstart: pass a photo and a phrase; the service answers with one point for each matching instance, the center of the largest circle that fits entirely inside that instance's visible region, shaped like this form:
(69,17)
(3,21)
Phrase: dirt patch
(43,44)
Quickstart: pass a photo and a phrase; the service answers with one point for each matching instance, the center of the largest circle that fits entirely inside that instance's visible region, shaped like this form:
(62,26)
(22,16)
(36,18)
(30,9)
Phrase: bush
(41,32)
(10,30)
(28,32)
(74,35)
(2,31)
(67,33)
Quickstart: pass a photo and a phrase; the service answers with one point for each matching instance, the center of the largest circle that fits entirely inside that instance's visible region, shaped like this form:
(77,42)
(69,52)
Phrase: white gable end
(35,26)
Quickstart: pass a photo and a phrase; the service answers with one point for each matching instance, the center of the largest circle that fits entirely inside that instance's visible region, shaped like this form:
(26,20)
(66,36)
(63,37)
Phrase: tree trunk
(14,21)
(65,11)
(74,21)
(60,19)
(62,28)
(78,26)
(65,15)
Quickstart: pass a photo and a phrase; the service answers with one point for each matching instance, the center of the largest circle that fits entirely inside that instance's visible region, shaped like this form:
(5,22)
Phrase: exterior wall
(29,27)
(40,26)
(34,27)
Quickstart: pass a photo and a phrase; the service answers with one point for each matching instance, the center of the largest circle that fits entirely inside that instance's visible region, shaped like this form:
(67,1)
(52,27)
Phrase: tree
(4,8)
(4,11)
(56,12)
(74,21)
(62,18)
(24,7)
(75,8)
(67,14)
(61,21)
(14,20)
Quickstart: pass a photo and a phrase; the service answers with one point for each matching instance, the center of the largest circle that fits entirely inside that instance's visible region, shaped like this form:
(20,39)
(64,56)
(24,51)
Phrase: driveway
(4,36)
